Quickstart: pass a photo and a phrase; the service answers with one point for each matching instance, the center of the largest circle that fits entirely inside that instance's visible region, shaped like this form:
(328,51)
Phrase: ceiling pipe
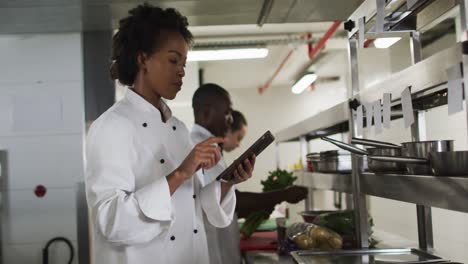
(312,51)
(264,12)
(261,89)
(368,42)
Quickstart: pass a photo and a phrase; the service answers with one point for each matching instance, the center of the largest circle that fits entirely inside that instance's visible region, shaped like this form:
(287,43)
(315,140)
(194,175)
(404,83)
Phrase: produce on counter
(310,236)
(277,179)
(342,222)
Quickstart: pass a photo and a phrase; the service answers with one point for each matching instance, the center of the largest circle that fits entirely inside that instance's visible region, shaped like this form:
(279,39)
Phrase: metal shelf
(325,181)
(332,120)
(425,78)
(442,192)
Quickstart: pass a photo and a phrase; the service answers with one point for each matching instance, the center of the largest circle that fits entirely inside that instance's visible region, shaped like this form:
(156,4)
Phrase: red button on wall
(40,191)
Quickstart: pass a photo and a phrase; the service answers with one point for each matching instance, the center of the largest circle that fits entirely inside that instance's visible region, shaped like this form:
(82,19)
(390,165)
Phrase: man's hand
(295,194)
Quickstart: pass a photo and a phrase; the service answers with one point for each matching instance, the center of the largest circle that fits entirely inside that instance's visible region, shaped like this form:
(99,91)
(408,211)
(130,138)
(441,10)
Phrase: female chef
(144,176)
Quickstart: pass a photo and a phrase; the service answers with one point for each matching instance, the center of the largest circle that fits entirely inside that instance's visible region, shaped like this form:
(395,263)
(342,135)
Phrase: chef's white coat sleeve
(123,214)
(220,214)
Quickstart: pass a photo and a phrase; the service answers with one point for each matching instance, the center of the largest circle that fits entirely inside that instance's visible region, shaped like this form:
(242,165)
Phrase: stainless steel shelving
(442,192)
(428,81)
(325,181)
(318,124)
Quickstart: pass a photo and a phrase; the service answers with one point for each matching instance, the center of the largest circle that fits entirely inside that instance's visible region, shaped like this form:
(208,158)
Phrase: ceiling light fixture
(304,82)
(383,43)
(227,54)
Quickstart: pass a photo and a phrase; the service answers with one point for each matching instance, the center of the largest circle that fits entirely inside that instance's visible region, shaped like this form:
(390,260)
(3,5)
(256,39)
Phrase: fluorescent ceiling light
(383,43)
(227,54)
(304,82)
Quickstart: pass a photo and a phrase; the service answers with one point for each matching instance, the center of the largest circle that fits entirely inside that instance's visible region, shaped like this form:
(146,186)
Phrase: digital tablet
(256,148)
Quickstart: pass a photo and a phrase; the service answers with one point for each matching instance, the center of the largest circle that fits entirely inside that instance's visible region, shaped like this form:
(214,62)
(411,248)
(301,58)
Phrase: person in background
(143,174)
(244,205)
(213,116)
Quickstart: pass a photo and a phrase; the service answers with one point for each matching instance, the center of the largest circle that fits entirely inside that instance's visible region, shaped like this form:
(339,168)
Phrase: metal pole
(418,133)
(464,19)
(304,149)
(359,199)
(464,37)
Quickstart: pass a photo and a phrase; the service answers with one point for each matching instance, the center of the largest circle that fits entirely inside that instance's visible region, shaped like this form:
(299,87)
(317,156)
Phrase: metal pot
(381,167)
(373,165)
(422,149)
(334,161)
(452,163)
(417,149)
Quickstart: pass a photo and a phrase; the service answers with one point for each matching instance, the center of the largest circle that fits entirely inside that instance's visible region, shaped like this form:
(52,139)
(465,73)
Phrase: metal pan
(374,165)
(451,163)
(422,149)
(417,149)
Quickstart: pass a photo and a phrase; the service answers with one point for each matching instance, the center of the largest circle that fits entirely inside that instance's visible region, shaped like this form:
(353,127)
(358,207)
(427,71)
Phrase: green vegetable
(277,179)
(340,222)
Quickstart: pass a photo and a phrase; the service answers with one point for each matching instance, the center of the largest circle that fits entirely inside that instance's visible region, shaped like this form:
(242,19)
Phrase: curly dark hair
(142,32)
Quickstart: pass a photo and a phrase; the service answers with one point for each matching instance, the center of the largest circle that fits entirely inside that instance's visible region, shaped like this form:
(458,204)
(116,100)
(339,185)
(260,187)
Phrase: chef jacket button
(144,125)
(194,196)
(174,128)
(172,237)
(162,161)
(195,231)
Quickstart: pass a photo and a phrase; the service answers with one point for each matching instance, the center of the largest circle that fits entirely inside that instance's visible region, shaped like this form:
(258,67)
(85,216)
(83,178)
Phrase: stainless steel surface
(369,256)
(373,143)
(83,250)
(325,181)
(429,74)
(359,199)
(421,149)
(418,133)
(304,145)
(442,192)
(345,146)
(425,236)
(378,166)
(453,163)
(337,165)
(328,118)
(408,160)
(353,64)
(3,178)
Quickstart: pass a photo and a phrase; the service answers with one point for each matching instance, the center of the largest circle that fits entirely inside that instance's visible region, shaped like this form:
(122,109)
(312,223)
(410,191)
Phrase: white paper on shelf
(359,120)
(379,24)
(407,106)
(362,31)
(377,116)
(387,100)
(410,3)
(369,114)
(455,89)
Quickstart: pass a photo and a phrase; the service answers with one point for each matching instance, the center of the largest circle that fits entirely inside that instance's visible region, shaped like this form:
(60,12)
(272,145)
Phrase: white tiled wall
(42,129)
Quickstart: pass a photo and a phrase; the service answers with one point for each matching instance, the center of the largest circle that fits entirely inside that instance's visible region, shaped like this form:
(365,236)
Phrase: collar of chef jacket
(144,105)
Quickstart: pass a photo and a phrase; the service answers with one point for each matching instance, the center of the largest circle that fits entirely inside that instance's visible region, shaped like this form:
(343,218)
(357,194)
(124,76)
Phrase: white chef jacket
(129,152)
(224,243)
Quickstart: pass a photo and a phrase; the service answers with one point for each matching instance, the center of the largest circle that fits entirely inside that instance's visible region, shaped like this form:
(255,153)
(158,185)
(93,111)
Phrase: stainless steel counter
(266,257)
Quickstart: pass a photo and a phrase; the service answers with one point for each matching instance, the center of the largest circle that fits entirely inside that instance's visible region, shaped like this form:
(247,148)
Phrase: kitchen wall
(279,108)
(42,128)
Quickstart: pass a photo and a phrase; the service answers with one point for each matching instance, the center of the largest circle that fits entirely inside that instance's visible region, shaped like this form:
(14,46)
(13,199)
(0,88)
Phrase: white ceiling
(210,20)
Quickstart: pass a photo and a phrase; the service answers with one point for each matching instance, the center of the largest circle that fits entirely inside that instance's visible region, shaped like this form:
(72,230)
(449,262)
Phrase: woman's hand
(204,155)
(241,174)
